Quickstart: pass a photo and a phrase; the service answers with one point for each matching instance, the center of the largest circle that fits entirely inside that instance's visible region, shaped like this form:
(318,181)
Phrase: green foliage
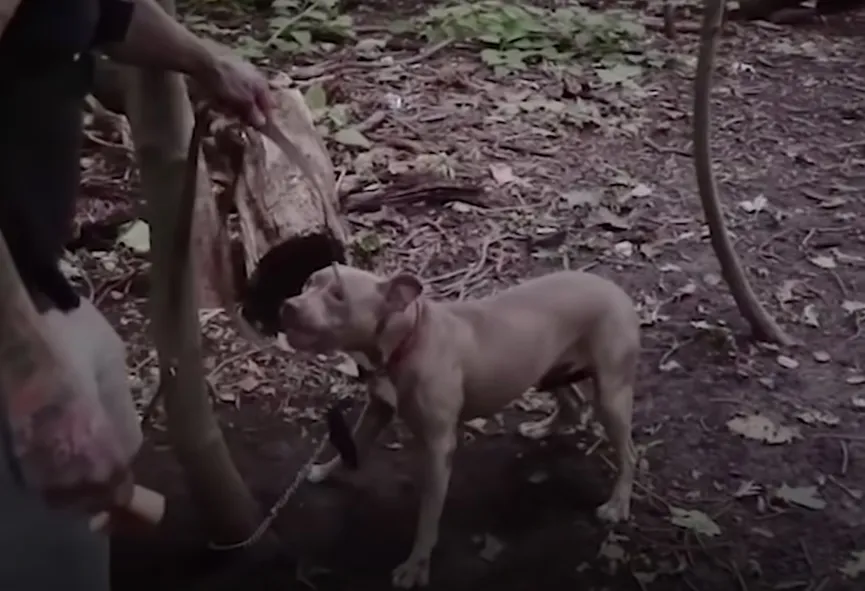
(514,36)
(333,121)
(293,27)
(299,24)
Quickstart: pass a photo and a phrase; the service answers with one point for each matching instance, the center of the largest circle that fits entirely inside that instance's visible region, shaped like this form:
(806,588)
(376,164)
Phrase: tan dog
(441,363)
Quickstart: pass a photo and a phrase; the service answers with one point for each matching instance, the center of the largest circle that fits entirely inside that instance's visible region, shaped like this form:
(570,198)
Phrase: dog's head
(345,308)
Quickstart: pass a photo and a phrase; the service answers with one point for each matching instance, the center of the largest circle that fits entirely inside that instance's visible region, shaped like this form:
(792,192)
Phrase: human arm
(64,445)
(149,37)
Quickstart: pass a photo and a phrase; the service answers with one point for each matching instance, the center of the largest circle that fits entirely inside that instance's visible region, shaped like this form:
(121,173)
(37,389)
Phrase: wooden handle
(145,504)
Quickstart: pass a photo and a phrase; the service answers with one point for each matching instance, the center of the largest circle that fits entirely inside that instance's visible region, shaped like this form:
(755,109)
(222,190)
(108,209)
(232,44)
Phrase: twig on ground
(845,457)
(229,360)
(857,495)
(371,122)
(846,436)
(331,68)
(666,149)
(477,267)
(807,555)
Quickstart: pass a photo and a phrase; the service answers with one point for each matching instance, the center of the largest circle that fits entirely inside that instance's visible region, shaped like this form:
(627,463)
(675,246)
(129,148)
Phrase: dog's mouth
(307,340)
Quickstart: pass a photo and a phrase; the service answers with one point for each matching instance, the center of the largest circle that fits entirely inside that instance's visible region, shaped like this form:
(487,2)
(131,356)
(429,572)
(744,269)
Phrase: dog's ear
(400,290)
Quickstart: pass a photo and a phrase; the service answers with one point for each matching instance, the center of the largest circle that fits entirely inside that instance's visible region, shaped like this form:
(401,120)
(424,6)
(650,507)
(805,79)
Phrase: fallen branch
(434,194)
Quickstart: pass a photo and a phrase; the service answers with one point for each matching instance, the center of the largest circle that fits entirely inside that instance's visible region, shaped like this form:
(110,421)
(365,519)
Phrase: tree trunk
(289,224)
(110,90)
(762,324)
(161,118)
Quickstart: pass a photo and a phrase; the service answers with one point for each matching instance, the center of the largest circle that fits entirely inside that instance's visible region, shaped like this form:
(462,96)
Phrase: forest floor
(753,457)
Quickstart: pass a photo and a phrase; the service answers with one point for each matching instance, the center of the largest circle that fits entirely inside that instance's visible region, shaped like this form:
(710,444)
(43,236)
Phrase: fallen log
(289,225)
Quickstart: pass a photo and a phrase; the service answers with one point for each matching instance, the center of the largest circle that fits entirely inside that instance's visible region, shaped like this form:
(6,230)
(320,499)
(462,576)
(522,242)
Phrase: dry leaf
(350,136)
(696,521)
(809,316)
(248,384)
(347,366)
(817,417)
(821,356)
(855,380)
(670,365)
(478,425)
(502,174)
(824,262)
(761,428)
(640,190)
(755,205)
(785,292)
(624,248)
(579,197)
(763,532)
(852,307)
(748,488)
(602,216)
(846,258)
(136,237)
(228,397)
(803,496)
(855,566)
(787,362)
(613,551)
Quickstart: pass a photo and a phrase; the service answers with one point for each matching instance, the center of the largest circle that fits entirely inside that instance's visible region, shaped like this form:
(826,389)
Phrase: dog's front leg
(438,449)
(375,416)
(614,400)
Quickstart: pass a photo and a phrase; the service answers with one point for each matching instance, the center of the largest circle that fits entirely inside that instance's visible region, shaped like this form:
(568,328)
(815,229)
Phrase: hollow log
(289,222)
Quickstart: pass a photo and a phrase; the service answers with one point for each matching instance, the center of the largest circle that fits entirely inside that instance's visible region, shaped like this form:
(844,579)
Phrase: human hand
(69,453)
(239,87)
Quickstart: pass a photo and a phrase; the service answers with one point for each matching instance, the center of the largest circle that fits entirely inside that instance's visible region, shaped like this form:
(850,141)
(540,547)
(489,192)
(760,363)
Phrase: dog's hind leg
(614,401)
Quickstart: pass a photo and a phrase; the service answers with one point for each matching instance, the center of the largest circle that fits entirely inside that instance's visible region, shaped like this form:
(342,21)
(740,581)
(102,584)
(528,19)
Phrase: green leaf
(492,57)
(315,97)
(350,136)
(303,38)
(618,73)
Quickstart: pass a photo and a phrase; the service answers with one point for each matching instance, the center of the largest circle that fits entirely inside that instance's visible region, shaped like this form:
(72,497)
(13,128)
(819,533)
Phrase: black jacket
(46,29)
(45,72)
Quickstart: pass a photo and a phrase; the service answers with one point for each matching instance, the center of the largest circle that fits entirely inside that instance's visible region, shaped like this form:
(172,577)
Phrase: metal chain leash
(278,506)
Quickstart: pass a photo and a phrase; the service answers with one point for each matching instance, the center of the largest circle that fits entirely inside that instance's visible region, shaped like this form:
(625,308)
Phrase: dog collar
(405,345)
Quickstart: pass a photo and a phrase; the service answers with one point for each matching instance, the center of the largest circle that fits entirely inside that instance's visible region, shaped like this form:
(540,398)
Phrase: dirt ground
(616,196)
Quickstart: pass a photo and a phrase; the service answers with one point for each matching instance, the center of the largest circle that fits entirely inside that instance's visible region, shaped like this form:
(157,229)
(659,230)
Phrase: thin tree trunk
(762,324)
(161,119)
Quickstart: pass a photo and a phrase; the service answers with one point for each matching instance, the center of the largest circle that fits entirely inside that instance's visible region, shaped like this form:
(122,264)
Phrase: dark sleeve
(114,19)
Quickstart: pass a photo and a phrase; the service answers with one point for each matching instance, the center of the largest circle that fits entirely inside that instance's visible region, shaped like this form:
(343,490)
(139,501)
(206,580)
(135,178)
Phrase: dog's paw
(614,511)
(319,473)
(414,572)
